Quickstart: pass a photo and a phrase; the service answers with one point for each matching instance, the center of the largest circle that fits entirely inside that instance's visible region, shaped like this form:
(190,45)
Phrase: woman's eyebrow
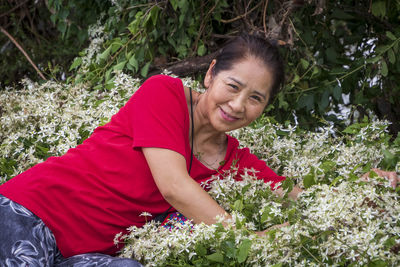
(260,94)
(237,81)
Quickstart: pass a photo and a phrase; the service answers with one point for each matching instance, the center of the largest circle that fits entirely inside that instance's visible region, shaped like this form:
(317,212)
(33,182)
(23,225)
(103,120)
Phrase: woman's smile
(227,116)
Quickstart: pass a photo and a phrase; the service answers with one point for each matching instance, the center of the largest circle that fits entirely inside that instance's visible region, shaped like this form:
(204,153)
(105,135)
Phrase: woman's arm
(179,189)
(294,194)
(392,177)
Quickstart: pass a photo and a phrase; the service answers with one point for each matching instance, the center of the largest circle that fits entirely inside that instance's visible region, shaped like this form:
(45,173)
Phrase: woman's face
(236,97)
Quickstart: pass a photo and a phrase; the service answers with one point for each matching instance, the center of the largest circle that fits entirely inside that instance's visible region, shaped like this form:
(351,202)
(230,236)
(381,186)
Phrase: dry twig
(264,17)
(23,52)
(14,8)
(242,15)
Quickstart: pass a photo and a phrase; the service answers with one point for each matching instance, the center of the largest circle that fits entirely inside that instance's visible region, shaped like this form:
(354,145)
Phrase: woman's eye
(257,98)
(234,86)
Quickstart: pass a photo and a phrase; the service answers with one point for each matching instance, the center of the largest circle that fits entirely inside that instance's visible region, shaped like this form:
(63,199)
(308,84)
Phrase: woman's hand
(277,226)
(294,194)
(391,176)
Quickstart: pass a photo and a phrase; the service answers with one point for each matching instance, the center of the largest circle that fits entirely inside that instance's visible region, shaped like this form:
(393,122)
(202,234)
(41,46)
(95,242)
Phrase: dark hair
(248,45)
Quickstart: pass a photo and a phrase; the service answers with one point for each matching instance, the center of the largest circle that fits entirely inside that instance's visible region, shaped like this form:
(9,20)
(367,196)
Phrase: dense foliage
(337,52)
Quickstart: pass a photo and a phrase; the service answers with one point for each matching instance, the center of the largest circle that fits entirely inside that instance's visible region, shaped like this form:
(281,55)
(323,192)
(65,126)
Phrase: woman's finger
(391,176)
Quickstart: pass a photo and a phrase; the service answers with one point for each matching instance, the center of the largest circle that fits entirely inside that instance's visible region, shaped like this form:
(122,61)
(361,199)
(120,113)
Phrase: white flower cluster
(97,37)
(352,223)
(341,224)
(248,193)
(363,223)
(296,153)
(46,120)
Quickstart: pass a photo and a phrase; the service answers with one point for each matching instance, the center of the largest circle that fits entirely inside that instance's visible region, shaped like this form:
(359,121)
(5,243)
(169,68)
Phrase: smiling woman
(141,161)
(67,210)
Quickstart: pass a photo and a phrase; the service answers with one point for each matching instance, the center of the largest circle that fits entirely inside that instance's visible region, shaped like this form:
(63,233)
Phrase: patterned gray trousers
(26,241)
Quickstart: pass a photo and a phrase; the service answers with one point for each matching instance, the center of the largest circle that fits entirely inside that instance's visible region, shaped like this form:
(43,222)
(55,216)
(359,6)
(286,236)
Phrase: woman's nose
(238,104)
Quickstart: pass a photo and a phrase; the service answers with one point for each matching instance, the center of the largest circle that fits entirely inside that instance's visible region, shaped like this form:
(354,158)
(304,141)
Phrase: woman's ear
(209,74)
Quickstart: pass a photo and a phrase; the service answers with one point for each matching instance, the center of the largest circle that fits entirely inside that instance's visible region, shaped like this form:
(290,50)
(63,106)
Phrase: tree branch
(23,52)
(242,15)
(187,66)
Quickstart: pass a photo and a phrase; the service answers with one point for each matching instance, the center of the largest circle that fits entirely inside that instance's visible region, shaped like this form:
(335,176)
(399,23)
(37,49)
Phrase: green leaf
(115,47)
(105,54)
(378,8)
(53,18)
(390,36)
(352,129)
(336,180)
(174,4)
(108,75)
(120,66)
(390,160)
(377,263)
(154,14)
(292,218)
(324,101)
(304,63)
(331,55)
(238,205)
(382,49)
(288,184)
(396,47)
(201,51)
(200,249)
(77,62)
(266,214)
(306,101)
(328,165)
(134,63)
(373,174)
(309,180)
(244,250)
(282,102)
(316,71)
(62,27)
(337,92)
(384,68)
(391,56)
(340,14)
(373,59)
(216,257)
(145,69)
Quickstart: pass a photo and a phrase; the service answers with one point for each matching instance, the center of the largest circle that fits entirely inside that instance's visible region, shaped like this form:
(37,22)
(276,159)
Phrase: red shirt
(100,188)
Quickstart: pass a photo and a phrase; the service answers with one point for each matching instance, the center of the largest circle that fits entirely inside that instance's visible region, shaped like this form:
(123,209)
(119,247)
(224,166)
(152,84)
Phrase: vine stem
(241,16)
(264,16)
(330,82)
(202,26)
(14,8)
(23,52)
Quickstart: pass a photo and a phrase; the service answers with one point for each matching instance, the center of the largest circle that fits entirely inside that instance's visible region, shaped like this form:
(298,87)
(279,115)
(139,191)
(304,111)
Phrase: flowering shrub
(336,221)
(46,120)
(349,224)
(327,156)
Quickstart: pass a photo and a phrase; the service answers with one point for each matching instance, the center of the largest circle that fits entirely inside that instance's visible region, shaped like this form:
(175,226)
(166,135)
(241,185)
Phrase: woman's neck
(204,132)
(209,144)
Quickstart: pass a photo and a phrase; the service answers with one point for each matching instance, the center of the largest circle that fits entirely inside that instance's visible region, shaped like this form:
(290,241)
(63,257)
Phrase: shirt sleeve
(160,115)
(250,161)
